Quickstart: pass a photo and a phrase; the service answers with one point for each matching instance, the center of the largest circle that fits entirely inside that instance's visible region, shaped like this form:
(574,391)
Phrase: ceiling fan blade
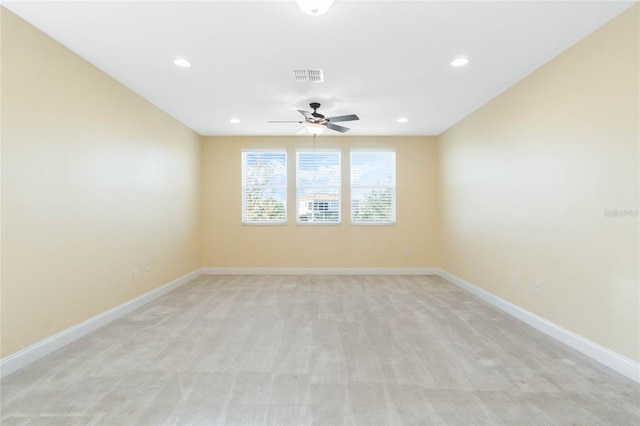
(351,117)
(337,128)
(306,114)
(302,131)
(281,121)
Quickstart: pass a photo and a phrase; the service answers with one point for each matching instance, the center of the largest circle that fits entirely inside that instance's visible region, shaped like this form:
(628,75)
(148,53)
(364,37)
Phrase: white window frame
(271,187)
(356,187)
(301,190)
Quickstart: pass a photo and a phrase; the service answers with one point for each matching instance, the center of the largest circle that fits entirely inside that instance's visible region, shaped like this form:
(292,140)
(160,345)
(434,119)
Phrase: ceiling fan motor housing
(315,106)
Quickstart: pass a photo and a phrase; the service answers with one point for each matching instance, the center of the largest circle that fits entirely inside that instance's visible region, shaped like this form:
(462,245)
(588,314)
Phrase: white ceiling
(381,59)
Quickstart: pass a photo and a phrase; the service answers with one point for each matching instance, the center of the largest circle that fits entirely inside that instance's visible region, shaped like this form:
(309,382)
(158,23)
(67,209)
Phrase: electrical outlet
(134,275)
(514,279)
(406,252)
(147,270)
(232,252)
(538,287)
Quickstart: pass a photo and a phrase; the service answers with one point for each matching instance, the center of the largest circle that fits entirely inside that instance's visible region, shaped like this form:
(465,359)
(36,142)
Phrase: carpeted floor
(322,350)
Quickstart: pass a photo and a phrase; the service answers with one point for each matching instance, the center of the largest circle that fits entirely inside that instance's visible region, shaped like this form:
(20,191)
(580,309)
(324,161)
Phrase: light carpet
(321,350)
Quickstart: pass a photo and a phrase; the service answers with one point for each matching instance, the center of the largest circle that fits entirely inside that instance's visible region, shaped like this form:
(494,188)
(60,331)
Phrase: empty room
(320,212)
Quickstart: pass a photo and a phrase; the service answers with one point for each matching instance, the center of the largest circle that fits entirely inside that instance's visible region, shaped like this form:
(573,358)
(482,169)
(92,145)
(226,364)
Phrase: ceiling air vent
(313,75)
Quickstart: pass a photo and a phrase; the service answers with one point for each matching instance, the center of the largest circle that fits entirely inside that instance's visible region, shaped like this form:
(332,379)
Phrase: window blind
(318,186)
(264,187)
(373,187)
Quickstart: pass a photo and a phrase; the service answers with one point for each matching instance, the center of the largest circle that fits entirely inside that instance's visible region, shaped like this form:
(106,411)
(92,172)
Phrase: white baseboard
(607,357)
(34,352)
(320,271)
(611,359)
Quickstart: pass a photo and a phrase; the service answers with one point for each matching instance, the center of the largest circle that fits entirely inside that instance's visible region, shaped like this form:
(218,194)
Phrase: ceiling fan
(315,123)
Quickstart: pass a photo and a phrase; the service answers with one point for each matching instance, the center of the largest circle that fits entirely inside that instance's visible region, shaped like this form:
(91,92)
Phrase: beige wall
(95,182)
(527,179)
(331,246)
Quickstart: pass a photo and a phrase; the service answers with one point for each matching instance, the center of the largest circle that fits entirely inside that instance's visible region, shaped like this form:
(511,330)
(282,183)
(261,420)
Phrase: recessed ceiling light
(314,7)
(234,121)
(460,62)
(402,120)
(181,62)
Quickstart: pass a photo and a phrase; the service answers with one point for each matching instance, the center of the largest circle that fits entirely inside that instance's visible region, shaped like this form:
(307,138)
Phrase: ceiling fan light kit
(313,128)
(314,7)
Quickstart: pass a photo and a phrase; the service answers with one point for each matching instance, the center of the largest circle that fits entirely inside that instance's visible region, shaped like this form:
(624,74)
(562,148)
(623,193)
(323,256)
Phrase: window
(318,186)
(264,187)
(373,187)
